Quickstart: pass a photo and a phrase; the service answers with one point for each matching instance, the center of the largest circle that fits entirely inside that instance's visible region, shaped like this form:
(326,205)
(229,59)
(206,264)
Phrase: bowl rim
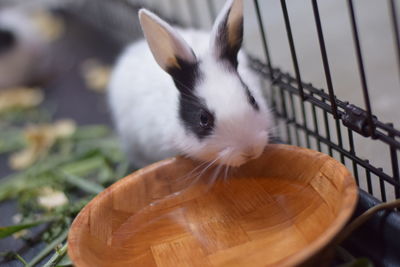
(347,207)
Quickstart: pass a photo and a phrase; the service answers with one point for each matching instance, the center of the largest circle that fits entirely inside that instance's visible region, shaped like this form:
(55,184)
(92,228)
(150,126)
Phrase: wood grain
(281,209)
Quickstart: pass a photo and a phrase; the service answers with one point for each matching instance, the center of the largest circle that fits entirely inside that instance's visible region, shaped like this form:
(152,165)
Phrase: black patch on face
(7,40)
(228,51)
(192,109)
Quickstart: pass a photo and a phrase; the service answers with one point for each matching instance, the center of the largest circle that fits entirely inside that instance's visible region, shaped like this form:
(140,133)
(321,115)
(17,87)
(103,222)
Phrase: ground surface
(67,96)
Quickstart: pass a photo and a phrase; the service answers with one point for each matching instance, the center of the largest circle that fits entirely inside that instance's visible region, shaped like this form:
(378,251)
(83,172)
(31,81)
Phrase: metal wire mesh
(348,119)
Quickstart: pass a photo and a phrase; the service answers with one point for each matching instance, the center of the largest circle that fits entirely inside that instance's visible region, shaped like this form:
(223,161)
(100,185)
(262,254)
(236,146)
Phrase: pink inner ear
(232,24)
(164,41)
(235,23)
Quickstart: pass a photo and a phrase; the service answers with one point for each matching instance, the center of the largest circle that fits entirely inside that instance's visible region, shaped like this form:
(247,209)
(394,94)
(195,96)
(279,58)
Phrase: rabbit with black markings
(204,102)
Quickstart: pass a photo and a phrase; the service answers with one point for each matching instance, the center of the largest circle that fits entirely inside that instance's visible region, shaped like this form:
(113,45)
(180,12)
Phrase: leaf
(61,238)
(9,230)
(11,140)
(122,170)
(360,262)
(19,258)
(83,184)
(59,258)
(31,178)
(83,167)
(65,261)
(91,132)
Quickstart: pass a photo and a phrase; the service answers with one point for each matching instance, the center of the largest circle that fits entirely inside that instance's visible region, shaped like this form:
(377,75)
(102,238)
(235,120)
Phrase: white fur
(144,104)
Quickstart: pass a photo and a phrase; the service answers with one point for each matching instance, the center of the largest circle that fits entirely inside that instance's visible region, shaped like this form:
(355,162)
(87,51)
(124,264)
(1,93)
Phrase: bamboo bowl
(282,209)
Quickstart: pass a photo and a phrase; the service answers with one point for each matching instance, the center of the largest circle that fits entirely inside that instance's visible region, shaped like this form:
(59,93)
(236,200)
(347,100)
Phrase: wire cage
(341,117)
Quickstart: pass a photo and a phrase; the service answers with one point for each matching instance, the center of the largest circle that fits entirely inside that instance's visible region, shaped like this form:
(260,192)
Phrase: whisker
(214,177)
(192,171)
(199,174)
(194,181)
(226,173)
(211,163)
(228,170)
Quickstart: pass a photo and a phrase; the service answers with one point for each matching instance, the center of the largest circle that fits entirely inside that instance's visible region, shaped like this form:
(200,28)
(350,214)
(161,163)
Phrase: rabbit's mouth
(233,158)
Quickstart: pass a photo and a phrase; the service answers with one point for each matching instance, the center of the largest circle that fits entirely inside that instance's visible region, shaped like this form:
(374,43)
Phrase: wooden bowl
(281,209)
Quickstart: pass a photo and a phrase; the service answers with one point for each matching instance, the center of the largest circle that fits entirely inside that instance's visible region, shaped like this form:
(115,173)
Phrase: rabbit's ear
(168,47)
(227,32)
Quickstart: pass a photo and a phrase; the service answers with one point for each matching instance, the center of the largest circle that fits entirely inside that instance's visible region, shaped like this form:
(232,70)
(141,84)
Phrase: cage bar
(353,152)
(382,188)
(303,113)
(393,14)
(368,178)
(324,58)
(293,118)
(339,138)
(395,166)
(292,48)
(285,115)
(316,127)
(361,69)
(263,38)
(327,129)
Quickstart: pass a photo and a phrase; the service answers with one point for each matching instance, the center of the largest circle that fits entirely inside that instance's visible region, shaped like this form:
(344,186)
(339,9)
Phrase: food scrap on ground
(20,97)
(96,75)
(50,26)
(49,198)
(40,138)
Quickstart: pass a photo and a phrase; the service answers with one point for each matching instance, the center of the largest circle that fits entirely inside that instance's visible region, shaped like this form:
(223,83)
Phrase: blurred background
(55,61)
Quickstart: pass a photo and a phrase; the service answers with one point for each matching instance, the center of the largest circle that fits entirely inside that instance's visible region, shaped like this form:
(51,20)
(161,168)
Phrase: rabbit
(22,47)
(189,92)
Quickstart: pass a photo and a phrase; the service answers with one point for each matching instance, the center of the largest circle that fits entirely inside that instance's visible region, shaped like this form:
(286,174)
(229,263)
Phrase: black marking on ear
(184,75)
(192,109)
(7,40)
(228,51)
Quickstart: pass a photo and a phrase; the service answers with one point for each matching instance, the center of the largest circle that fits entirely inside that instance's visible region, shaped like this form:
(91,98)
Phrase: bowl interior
(279,209)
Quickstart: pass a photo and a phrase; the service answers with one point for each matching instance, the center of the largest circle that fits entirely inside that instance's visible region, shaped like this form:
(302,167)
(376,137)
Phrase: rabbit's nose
(252,152)
(248,153)
(7,40)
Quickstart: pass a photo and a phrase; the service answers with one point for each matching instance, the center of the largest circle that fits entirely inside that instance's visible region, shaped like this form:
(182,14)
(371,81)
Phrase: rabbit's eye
(252,101)
(206,119)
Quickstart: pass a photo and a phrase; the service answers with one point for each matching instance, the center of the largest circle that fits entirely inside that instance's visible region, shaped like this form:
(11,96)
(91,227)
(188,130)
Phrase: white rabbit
(204,102)
(22,47)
